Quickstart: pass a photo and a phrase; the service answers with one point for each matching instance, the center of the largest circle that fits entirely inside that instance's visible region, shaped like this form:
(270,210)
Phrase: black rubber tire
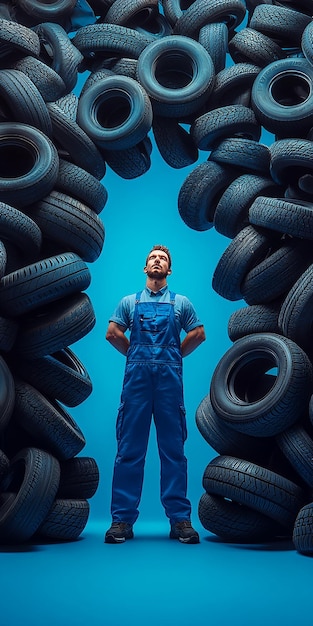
(290,160)
(245,154)
(4,465)
(283,215)
(34,479)
(282,97)
(233,85)
(295,316)
(60,376)
(71,138)
(201,192)
(49,84)
(79,478)
(306,42)
(17,38)
(7,394)
(50,426)
(55,327)
(284,403)
(250,46)
(245,251)
(303,530)
(275,275)
(224,439)
(256,487)
(257,318)
(65,521)
(116,113)
(228,121)
(231,12)
(59,53)
(131,12)
(76,182)
(28,164)
(172,10)
(297,446)
(54,10)
(282,24)
(235,522)
(174,142)
(42,282)
(8,333)
(214,38)
(177,74)
(232,211)
(23,101)
(112,39)
(130,163)
(70,224)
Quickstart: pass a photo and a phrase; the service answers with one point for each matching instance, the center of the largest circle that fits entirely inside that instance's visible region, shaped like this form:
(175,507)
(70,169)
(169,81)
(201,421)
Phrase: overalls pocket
(183,421)
(119,421)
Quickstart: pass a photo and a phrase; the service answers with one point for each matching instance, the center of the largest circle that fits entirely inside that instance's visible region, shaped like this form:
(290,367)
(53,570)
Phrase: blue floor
(152,581)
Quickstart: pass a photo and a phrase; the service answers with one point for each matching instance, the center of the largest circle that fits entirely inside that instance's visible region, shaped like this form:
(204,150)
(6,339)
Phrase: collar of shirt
(156,293)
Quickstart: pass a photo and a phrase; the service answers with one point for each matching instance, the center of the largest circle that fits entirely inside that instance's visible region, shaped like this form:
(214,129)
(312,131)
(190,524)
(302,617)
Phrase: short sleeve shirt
(185,314)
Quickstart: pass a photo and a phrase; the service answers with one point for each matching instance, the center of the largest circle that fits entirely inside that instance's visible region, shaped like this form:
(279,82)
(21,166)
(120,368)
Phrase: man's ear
(169,272)
(145,269)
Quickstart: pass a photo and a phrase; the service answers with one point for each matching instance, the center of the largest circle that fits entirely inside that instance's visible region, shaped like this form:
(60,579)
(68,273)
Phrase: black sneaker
(184,532)
(119,532)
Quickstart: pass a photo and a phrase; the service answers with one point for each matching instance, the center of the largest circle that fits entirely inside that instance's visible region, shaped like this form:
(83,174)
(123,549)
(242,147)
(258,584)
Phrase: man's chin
(157,274)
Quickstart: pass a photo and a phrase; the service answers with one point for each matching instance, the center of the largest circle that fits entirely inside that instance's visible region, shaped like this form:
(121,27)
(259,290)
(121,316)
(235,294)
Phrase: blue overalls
(152,386)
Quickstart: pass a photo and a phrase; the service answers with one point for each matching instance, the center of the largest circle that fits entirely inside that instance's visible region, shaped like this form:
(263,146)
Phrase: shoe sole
(192,540)
(111,539)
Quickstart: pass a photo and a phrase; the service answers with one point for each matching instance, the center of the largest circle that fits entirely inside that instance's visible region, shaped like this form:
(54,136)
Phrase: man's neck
(155,285)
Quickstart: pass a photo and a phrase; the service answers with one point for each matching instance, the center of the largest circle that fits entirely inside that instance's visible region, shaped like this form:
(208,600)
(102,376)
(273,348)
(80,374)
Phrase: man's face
(157,265)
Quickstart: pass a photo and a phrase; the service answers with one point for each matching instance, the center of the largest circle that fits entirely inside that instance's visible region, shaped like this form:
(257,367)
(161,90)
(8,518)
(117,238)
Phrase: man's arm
(192,340)
(116,336)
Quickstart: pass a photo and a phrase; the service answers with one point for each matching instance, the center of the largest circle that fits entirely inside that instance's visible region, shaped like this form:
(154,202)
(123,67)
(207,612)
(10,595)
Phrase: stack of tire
(258,414)
(50,230)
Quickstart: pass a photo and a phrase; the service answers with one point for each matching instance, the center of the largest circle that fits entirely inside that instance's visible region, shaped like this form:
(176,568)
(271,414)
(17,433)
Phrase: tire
(297,446)
(34,477)
(131,12)
(44,12)
(290,160)
(201,192)
(174,142)
(228,121)
(55,327)
(235,522)
(284,403)
(233,85)
(231,12)
(23,101)
(7,396)
(232,211)
(284,216)
(257,318)
(296,311)
(70,224)
(254,486)
(306,43)
(245,251)
(131,163)
(282,24)
(115,113)
(8,333)
(29,164)
(177,74)
(303,530)
(224,439)
(115,40)
(60,376)
(59,53)
(214,38)
(245,154)
(79,478)
(65,521)
(282,97)
(71,137)
(275,275)
(76,182)
(17,38)
(47,422)
(49,84)
(41,283)
(250,46)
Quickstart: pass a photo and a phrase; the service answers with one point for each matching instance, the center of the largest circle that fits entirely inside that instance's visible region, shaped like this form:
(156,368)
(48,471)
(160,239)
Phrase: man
(152,386)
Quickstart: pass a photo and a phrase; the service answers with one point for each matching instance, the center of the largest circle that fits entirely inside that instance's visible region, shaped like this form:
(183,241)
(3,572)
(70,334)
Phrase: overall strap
(138,296)
(172,297)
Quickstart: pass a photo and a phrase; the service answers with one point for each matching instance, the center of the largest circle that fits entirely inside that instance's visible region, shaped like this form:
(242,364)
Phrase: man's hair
(164,249)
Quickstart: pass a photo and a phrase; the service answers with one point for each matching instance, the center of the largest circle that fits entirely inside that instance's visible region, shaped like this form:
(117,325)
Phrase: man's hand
(116,336)
(192,340)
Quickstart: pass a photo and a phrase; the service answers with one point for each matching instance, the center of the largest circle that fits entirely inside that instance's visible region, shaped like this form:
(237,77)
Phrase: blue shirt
(185,314)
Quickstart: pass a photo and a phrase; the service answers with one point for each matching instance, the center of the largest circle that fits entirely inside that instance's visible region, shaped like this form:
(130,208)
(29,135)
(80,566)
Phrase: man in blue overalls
(152,386)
